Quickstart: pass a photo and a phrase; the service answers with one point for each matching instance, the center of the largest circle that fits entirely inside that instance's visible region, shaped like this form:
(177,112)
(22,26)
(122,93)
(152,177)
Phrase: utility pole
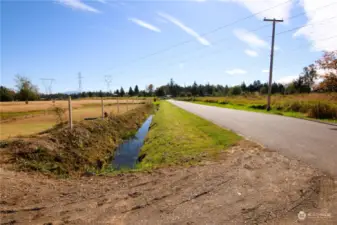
(108,81)
(271,59)
(102,105)
(47,83)
(80,82)
(70,113)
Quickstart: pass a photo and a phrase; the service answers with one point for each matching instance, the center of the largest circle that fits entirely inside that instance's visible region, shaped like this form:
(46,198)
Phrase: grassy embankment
(307,106)
(65,152)
(178,137)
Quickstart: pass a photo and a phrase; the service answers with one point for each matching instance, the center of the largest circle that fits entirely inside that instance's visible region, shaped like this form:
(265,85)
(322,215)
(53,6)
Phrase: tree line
(305,83)
(26,91)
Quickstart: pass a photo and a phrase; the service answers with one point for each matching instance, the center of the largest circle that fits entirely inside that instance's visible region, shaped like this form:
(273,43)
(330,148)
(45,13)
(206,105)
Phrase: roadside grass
(272,111)
(316,106)
(178,137)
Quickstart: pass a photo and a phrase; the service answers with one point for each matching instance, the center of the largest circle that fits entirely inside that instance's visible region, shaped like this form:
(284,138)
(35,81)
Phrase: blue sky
(57,39)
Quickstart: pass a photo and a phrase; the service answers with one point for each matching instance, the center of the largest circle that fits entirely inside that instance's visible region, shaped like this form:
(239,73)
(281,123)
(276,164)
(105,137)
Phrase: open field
(32,106)
(315,106)
(39,115)
(178,137)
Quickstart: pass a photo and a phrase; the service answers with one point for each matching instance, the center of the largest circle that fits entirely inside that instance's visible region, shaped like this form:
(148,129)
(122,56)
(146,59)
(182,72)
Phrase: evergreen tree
(194,89)
(136,92)
(160,92)
(131,93)
(122,92)
(243,87)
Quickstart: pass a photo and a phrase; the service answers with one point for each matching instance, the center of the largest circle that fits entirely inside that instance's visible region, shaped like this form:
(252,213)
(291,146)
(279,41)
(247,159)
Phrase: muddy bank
(65,152)
(248,185)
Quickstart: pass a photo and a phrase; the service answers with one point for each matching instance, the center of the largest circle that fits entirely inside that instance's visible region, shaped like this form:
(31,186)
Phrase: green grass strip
(178,137)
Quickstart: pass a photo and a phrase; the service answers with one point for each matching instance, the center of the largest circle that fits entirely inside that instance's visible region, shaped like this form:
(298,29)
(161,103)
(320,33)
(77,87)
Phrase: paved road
(311,142)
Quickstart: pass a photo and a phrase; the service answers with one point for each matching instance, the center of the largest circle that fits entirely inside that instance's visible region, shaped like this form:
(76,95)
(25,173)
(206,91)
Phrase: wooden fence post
(70,113)
(102,107)
(127,104)
(117,105)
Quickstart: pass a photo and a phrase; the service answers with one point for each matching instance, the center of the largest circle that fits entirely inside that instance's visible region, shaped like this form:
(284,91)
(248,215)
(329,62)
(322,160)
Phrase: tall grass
(316,105)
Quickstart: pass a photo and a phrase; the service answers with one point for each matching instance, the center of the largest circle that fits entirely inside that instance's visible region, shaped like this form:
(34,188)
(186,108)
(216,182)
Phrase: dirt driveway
(248,185)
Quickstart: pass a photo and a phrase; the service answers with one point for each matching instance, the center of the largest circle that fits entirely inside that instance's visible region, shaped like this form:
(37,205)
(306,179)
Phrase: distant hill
(71,92)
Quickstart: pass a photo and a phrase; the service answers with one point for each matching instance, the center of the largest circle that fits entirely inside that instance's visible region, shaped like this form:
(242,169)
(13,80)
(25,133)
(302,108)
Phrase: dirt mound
(249,185)
(64,152)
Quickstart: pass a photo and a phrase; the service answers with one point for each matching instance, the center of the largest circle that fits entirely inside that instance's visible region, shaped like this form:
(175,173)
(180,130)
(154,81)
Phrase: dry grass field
(47,105)
(314,105)
(277,99)
(18,118)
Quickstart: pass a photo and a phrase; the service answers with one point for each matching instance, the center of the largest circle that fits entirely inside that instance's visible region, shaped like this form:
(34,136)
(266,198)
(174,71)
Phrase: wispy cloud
(185,28)
(78,5)
(251,53)
(102,1)
(144,24)
(250,38)
(287,79)
(319,33)
(271,9)
(236,71)
(265,71)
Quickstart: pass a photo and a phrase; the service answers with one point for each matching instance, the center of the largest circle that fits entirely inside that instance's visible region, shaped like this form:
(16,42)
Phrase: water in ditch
(126,155)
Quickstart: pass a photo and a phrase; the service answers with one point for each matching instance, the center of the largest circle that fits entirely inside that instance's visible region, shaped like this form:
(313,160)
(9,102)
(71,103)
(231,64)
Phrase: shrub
(258,106)
(297,106)
(211,101)
(323,111)
(224,102)
(59,113)
(294,106)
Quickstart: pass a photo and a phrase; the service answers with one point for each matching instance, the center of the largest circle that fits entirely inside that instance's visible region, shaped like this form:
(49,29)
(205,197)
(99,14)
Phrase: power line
(204,34)
(222,39)
(307,25)
(265,26)
(248,31)
(308,44)
(256,29)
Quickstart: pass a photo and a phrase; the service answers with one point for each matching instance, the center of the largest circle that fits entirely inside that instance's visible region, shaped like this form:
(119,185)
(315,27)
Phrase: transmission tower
(108,81)
(80,82)
(48,84)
